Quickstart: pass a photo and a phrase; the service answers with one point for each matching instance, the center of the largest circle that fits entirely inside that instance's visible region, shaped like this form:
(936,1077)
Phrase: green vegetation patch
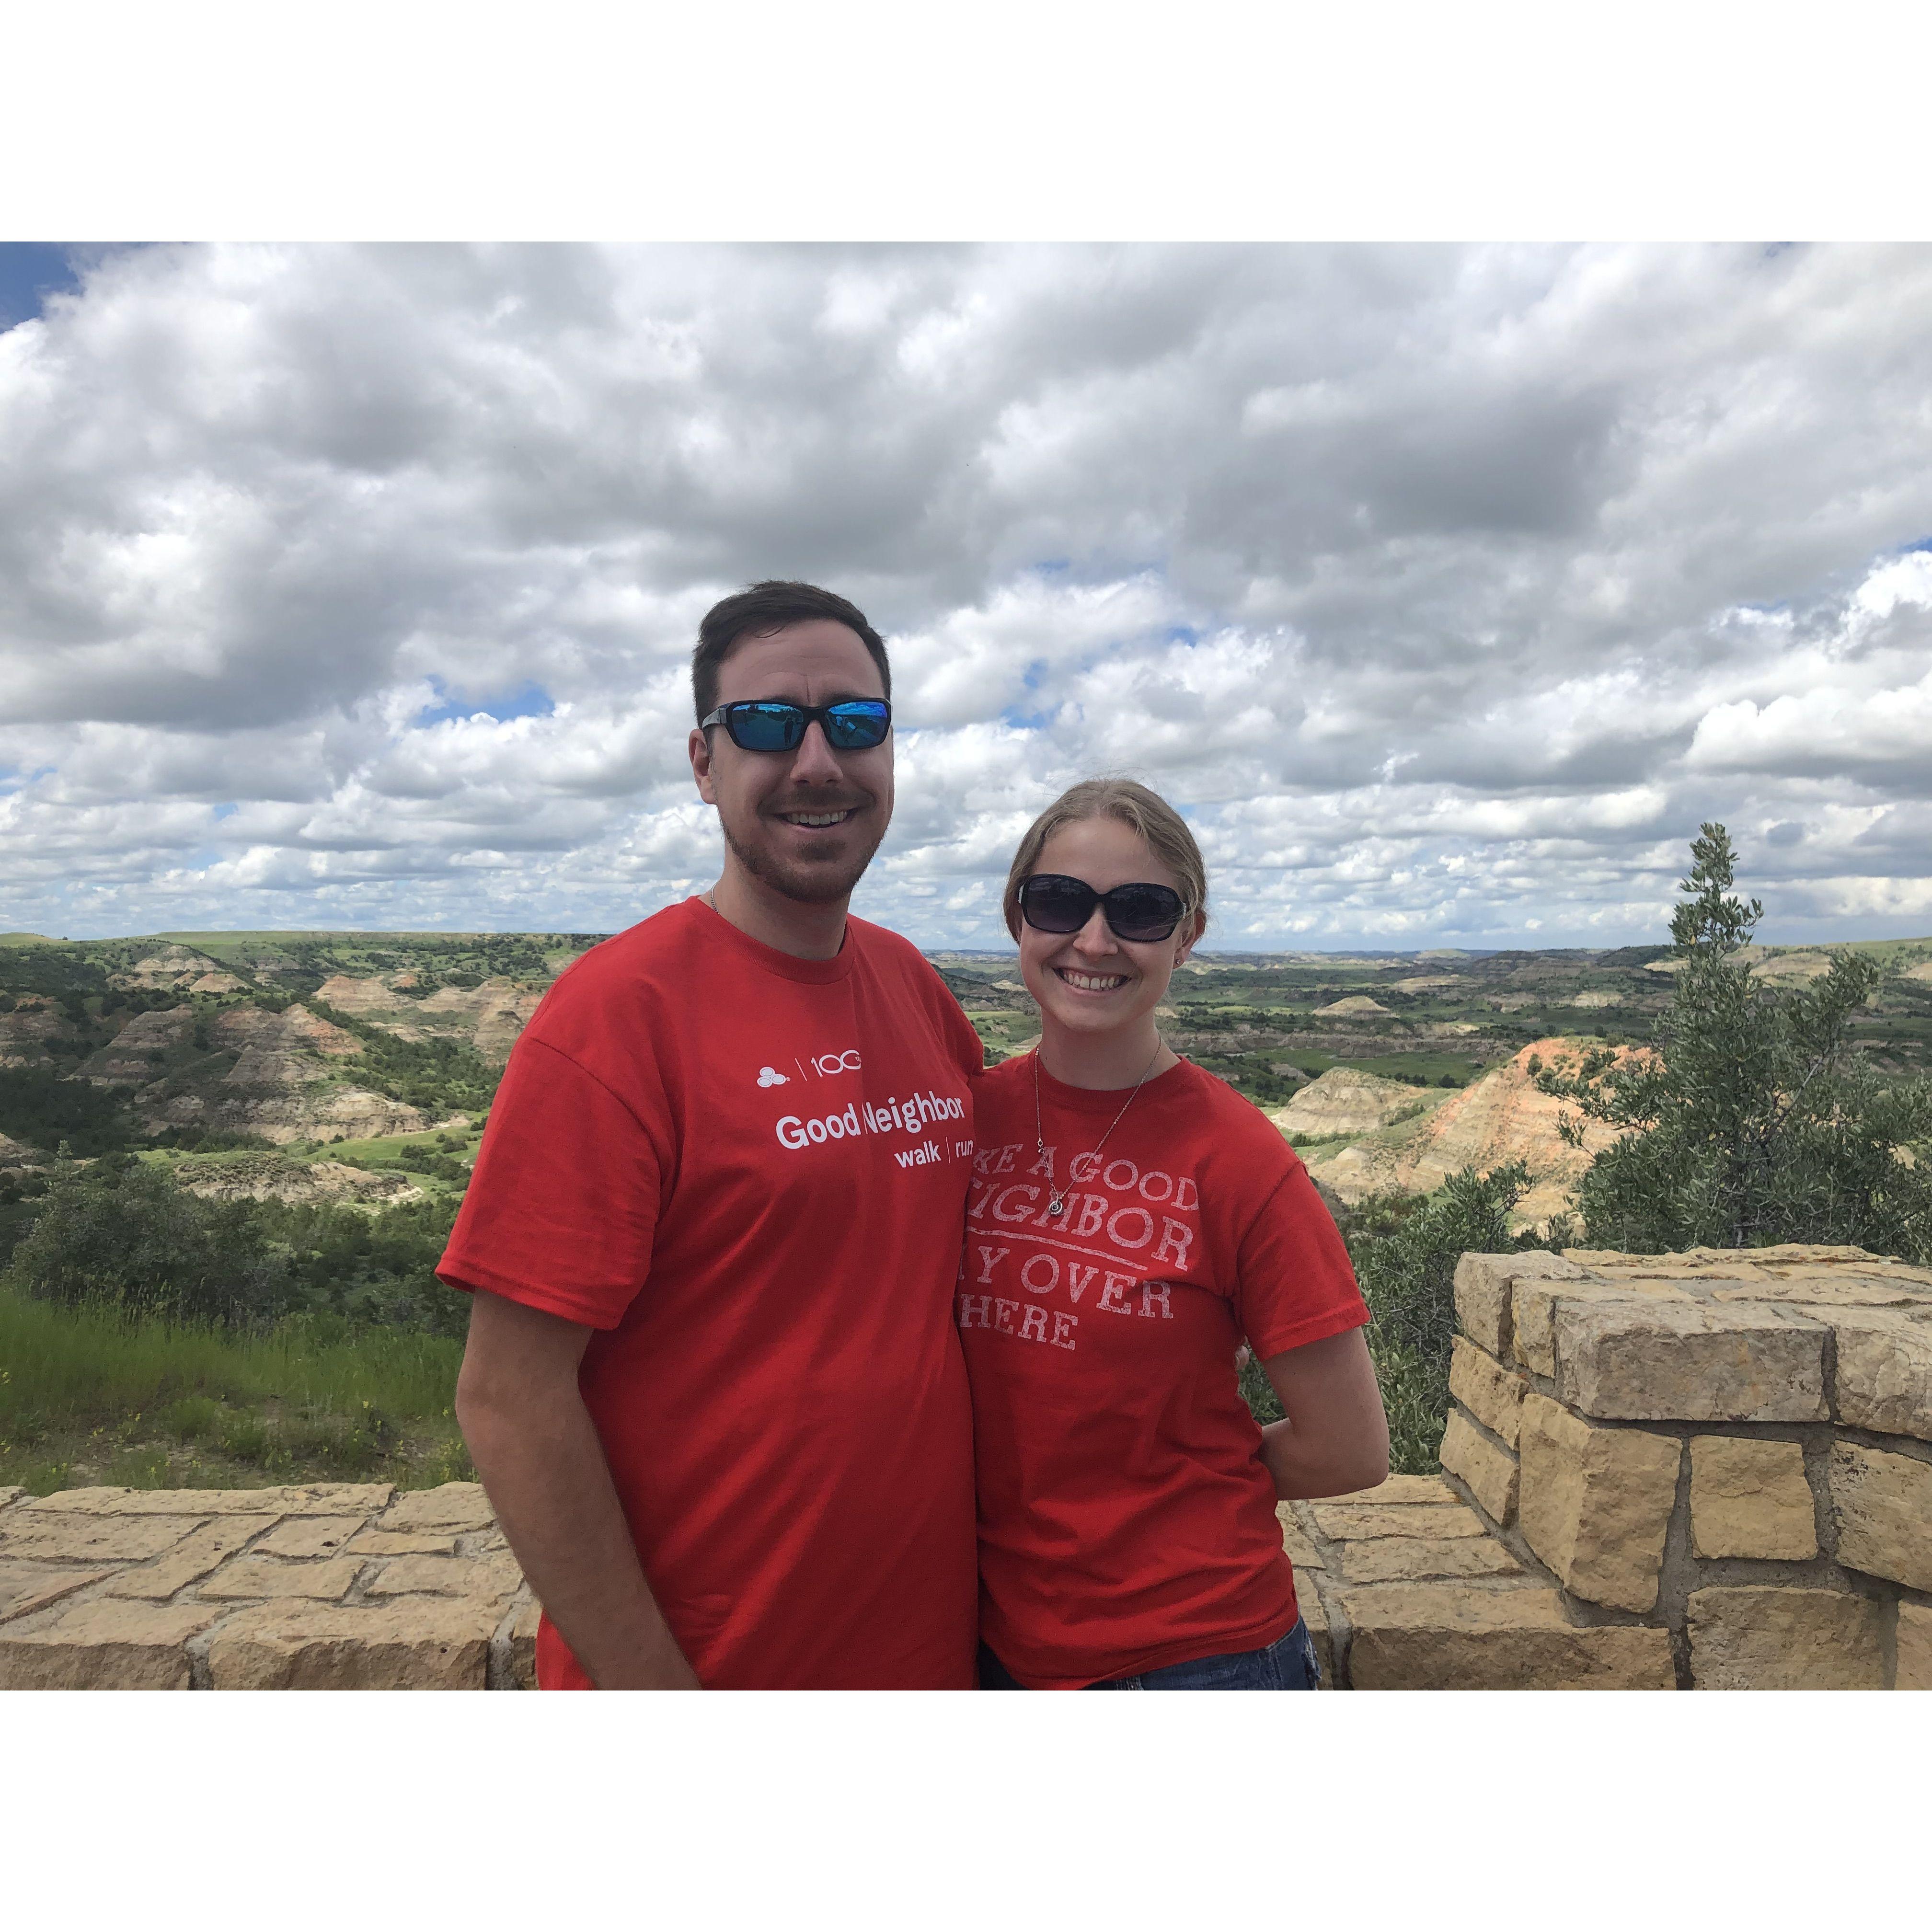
(90,1395)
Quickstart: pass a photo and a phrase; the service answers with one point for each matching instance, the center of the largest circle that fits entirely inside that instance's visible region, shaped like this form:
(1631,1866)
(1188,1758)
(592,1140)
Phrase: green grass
(86,1397)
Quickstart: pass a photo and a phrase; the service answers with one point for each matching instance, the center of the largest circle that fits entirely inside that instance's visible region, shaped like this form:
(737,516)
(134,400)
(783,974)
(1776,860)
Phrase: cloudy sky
(1447,589)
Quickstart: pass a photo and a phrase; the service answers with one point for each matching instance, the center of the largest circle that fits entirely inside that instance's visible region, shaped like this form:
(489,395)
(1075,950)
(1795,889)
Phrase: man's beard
(808,885)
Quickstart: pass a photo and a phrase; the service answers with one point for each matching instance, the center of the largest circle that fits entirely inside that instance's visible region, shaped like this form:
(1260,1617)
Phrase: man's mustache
(821,805)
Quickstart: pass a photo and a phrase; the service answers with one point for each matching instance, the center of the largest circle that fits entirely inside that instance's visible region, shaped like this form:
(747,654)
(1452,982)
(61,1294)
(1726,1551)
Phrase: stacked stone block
(1404,1588)
(1733,1447)
(318,1586)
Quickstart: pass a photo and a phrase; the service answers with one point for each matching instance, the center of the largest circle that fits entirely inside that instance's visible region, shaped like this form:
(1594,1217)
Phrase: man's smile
(817,820)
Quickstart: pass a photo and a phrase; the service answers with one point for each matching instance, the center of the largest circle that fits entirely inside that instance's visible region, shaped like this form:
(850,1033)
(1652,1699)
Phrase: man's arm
(536,1449)
(1335,1437)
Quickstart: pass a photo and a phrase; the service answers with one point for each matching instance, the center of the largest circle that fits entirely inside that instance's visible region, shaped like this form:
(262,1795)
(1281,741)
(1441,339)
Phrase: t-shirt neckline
(1108,1099)
(786,965)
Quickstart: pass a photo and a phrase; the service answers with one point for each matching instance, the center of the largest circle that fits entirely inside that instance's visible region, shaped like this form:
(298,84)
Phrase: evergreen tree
(1751,1118)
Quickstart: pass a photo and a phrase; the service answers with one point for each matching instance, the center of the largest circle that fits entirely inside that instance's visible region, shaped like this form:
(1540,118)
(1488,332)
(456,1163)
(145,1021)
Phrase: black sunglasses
(1052,902)
(771,725)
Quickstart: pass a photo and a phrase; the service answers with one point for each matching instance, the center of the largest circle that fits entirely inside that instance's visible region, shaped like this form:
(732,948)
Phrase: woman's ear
(1195,927)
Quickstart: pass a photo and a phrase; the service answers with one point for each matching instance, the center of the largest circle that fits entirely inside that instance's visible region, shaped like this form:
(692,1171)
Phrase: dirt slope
(1502,1117)
(1344,1100)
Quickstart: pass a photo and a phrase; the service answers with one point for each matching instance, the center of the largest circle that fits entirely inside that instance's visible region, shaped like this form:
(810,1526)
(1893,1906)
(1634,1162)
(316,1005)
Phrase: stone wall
(1730,1448)
(1708,1471)
(319,1586)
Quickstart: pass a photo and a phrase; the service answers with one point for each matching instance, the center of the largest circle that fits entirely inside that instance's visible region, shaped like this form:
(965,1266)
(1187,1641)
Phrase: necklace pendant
(1057,1204)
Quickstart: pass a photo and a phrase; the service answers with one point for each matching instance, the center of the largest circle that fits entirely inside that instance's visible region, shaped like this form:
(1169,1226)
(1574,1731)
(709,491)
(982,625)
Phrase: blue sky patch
(30,271)
(525,701)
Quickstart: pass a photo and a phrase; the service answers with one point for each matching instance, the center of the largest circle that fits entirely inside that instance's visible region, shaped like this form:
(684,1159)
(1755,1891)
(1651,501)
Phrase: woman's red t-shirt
(1126,1520)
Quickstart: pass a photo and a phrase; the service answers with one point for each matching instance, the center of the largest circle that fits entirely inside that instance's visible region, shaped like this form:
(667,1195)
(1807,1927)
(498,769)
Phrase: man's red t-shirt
(1126,1520)
(748,1173)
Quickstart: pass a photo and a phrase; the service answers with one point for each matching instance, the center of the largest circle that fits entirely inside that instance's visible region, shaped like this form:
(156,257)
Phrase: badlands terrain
(358,1067)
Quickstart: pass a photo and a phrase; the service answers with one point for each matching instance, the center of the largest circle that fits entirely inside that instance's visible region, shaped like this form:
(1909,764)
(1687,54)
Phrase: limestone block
(253,1576)
(1536,1302)
(106,1645)
(1341,1522)
(1483,1292)
(1401,1489)
(1409,1559)
(288,1499)
(454,1506)
(1473,1637)
(1301,1552)
(404,1542)
(91,1539)
(190,1559)
(423,1643)
(523,1644)
(1658,1361)
(10,1494)
(1491,1393)
(1827,1288)
(1915,1648)
(1768,1638)
(1489,1471)
(1750,1499)
(1595,1503)
(310,1536)
(1883,1505)
(495,1577)
(1884,1376)
(27,1587)
(1789,1254)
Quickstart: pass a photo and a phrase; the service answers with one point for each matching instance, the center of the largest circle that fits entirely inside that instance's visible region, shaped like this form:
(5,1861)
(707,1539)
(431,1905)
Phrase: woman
(1133,1219)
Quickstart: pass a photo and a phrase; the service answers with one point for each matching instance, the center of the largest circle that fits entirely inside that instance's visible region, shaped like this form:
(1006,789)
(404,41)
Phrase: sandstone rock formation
(131,1058)
(171,967)
(1346,1100)
(1355,1002)
(490,1016)
(25,1032)
(1502,1117)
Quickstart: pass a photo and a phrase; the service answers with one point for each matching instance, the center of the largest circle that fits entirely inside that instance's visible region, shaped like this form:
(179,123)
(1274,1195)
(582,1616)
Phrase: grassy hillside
(87,1397)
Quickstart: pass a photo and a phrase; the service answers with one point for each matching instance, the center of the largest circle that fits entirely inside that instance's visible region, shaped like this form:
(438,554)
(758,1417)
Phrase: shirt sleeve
(562,1206)
(1295,1283)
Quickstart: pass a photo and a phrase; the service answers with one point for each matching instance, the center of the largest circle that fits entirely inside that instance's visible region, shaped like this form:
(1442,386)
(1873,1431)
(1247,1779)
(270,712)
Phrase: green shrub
(120,1235)
(1751,1118)
(1404,1250)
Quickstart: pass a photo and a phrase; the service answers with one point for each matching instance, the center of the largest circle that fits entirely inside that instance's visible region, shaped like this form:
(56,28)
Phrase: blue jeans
(1287,1664)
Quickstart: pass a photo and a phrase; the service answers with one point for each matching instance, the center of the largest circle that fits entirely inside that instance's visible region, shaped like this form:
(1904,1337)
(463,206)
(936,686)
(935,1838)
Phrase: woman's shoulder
(1002,1080)
(1235,1129)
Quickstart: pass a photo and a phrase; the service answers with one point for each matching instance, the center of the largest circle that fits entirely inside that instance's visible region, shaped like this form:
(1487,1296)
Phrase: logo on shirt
(819,1066)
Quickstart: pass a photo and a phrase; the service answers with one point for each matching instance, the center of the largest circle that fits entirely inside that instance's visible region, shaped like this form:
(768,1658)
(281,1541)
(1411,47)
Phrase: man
(713,1385)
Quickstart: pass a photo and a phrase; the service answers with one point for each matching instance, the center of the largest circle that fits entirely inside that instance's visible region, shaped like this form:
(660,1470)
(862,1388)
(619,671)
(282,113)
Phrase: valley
(357,1069)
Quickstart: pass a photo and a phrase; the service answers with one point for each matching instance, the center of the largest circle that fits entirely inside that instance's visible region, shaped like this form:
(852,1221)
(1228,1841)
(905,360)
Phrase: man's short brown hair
(759,611)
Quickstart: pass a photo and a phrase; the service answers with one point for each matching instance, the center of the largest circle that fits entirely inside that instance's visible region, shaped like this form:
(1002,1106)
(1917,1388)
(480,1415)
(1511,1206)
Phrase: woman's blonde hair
(1135,807)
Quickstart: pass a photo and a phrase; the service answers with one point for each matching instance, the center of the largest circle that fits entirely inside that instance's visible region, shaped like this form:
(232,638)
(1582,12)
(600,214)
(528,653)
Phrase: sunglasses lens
(1143,912)
(760,726)
(857,727)
(1051,903)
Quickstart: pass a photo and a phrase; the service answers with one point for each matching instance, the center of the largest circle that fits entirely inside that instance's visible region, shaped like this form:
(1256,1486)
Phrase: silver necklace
(1056,1202)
